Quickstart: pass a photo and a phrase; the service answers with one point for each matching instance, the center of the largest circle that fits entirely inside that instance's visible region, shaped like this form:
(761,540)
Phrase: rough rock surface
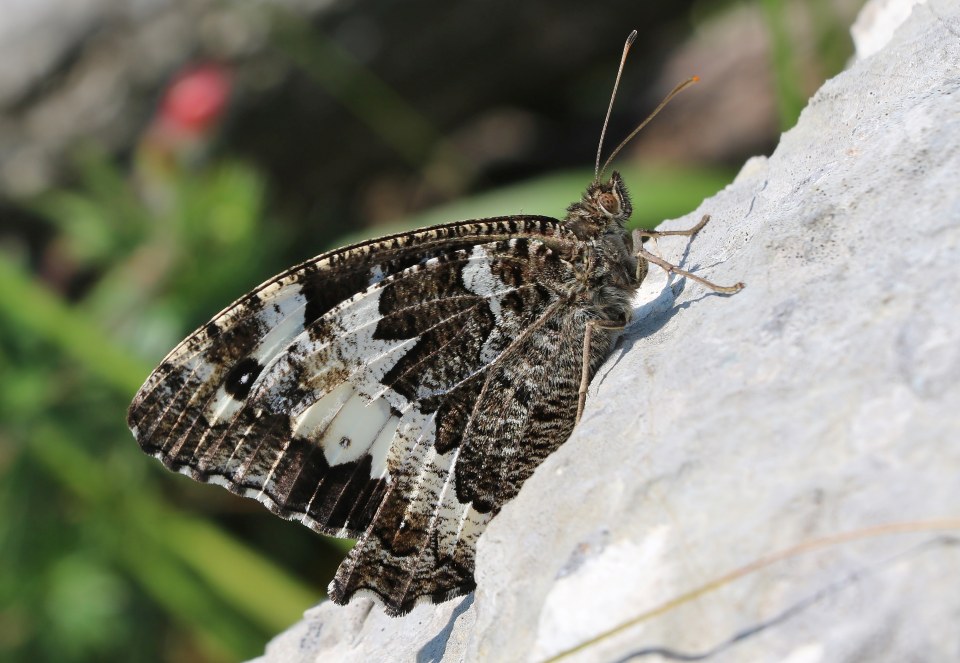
(767,476)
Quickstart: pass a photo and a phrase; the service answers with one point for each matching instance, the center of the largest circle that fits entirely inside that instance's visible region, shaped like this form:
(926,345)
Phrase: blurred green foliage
(797,74)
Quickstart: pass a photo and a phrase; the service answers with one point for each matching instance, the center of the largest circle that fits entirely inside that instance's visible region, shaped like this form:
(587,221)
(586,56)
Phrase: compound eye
(609,203)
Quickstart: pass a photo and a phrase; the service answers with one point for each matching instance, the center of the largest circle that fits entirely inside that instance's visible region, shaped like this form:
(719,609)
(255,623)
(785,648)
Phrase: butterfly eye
(609,203)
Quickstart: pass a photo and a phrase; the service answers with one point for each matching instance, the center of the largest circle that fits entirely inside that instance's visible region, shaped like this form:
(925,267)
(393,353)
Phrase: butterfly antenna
(603,132)
(674,92)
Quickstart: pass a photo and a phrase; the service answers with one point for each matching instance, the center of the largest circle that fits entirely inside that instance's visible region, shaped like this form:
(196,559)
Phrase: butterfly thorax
(604,260)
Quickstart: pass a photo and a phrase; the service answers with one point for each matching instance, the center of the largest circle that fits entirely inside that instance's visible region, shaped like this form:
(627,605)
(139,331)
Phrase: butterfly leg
(585,370)
(673,269)
(689,232)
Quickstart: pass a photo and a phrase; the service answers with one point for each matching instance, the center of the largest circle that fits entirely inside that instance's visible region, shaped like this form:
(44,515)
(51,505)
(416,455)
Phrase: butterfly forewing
(221,354)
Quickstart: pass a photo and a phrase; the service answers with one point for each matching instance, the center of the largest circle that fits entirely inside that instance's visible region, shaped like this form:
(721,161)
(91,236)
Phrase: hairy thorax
(603,261)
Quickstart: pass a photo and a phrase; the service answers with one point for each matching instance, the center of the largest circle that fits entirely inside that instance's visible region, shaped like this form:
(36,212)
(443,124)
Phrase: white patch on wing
(221,407)
(351,346)
(285,322)
(360,311)
(355,323)
(215,479)
(354,430)
(478,278)
(377,367)
(381,447)
(311,422)
(376,274)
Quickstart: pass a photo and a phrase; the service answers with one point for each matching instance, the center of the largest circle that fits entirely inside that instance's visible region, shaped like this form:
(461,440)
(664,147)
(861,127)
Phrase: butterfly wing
(397,391)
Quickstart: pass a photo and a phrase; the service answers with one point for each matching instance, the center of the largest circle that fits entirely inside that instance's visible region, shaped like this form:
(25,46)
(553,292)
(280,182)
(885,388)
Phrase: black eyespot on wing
(241,378)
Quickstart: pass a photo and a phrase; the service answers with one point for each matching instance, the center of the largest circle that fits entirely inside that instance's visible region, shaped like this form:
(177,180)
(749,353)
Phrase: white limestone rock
(769,476)
(877,22)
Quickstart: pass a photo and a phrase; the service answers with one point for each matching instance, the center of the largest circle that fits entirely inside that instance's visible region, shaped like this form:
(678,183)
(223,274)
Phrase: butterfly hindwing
(517,411)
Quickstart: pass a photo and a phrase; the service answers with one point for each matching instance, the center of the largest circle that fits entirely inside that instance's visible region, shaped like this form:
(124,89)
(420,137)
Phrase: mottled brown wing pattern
(523,408)
(398,391)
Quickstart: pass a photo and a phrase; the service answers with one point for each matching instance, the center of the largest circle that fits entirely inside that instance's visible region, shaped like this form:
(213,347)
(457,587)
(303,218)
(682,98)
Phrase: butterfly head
(604,206)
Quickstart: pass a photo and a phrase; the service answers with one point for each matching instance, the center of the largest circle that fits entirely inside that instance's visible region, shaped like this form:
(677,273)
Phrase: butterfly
(400,391)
